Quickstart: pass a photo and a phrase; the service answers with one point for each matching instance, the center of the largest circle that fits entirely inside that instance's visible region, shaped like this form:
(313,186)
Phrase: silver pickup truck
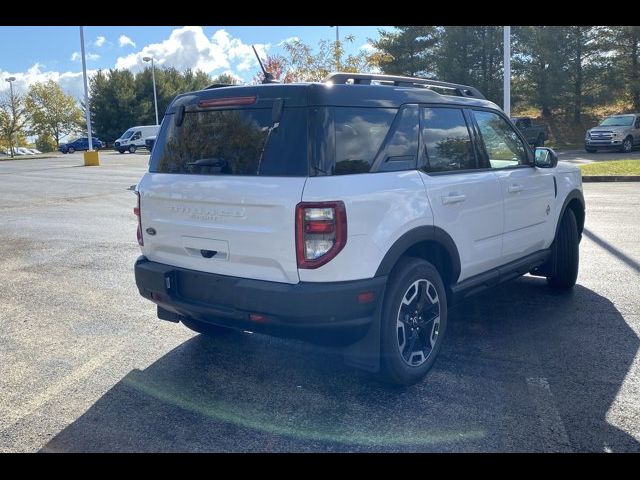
(534,133)
(618,132)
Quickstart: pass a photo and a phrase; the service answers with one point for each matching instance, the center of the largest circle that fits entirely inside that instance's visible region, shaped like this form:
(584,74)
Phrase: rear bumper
(312,311)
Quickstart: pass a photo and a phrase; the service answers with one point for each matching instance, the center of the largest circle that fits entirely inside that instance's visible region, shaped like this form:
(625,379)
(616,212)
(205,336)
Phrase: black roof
(327,94)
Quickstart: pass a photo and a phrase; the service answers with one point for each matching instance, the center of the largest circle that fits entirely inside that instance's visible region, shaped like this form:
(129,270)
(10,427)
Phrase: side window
(447,141)
(401,149)
(503,146)
(359,132)
(637,124)
(136,136)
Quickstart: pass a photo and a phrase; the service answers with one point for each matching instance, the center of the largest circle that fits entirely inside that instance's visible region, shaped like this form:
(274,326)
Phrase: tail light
(136,211)
(321,232)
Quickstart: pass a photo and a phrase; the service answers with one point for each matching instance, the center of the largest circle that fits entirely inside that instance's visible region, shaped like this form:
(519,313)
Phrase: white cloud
(100,41)
(367,47)
(70,82)
(287,40)
(75,56)
(124,41)
(189,47)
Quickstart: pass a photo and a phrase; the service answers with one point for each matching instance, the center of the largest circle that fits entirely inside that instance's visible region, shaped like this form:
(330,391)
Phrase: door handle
(453,197)
(515,188)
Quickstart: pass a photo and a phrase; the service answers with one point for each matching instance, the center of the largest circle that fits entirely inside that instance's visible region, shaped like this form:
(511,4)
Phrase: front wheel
(413,323)
(565,254)
(132,149)
(71,150)
(627,145)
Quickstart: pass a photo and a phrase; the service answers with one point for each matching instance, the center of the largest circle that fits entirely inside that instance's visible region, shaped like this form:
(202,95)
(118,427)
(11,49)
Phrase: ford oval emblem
(151,231)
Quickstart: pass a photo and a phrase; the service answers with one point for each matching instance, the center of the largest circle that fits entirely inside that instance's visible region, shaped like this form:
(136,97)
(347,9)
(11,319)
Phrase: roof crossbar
(398,81)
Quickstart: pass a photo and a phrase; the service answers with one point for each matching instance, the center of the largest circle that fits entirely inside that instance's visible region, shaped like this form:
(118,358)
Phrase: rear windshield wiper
(208,162)
(219,165)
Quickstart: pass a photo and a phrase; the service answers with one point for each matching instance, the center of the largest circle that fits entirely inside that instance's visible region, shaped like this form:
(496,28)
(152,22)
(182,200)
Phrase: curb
(611,178)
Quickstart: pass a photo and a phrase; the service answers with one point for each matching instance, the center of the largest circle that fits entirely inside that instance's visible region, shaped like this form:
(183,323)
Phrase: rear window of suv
(233,142)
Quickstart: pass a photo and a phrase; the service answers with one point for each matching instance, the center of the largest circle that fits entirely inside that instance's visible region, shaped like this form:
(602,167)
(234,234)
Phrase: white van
(134,138)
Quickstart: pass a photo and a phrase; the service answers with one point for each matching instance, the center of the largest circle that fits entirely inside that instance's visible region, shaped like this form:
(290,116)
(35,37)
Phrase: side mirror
(545,158)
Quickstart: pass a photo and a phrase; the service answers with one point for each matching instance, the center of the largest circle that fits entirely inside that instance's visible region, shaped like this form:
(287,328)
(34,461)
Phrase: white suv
(353,211)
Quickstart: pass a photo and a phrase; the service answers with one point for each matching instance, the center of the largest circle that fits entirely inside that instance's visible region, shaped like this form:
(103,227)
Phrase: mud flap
(365,353)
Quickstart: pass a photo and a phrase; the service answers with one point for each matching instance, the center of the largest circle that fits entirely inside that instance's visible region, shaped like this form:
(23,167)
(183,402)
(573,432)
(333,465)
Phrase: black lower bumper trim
(299,310)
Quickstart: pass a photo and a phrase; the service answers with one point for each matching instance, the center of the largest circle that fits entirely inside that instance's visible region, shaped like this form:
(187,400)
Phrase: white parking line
(72,378)
(555,435)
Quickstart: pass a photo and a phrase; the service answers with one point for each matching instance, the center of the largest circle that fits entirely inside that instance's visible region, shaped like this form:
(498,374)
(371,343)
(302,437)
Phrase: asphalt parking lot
(580,156)
(86,366)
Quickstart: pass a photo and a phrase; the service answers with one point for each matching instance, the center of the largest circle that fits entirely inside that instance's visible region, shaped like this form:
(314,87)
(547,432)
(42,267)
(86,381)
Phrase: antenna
(268,78)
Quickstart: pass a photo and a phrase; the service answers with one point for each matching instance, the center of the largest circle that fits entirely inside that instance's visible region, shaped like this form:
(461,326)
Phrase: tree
(46,143)
(13,118)
(120,99)
(52,112)
(277,66)
(624,43)
(541,56)
(302,64)
(407,51)
(225,78)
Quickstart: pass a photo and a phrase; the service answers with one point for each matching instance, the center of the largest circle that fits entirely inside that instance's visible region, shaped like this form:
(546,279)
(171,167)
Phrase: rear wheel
(206,328)
(565,254)
(132,149)
(414,319)
(71,150)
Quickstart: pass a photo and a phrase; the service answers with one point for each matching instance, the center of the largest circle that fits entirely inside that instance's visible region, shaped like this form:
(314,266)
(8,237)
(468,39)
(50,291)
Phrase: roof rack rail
(398,81)
(218,85)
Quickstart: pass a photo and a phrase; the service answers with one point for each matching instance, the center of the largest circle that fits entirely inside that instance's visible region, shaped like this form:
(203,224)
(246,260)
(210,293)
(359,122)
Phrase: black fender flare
(415,236)
(573,194)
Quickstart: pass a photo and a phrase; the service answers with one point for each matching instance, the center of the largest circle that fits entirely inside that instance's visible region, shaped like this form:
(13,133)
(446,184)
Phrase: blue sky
(42,53)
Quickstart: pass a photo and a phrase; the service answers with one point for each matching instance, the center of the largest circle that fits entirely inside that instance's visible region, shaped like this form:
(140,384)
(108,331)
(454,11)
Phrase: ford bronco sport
(354,211)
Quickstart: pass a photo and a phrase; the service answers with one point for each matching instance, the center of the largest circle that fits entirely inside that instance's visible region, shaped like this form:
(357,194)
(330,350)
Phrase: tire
(121,151)
(207,329)
(412,284)
(590,150)
(627,145)
(71,150)
(565,254)
(132,149)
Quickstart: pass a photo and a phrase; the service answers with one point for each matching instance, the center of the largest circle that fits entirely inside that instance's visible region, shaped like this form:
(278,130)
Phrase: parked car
(23,151)
(80,144)
(149,141)
(355,212)
(534,133)
(134,138)
(618,132)
(34,151)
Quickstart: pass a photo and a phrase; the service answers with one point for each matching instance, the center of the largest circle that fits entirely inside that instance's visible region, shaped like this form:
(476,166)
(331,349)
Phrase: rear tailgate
(227,170)
(249,223)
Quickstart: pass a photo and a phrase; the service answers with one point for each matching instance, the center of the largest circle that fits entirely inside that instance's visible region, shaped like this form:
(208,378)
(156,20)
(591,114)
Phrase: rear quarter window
(359,133)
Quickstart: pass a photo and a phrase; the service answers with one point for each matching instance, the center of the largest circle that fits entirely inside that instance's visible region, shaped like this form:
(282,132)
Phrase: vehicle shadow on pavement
(522,369)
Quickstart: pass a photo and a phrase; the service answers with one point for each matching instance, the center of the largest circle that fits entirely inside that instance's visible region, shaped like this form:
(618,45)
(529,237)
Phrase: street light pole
(86,90)
(507,71)
(13,111)
(337,48)
(153,76)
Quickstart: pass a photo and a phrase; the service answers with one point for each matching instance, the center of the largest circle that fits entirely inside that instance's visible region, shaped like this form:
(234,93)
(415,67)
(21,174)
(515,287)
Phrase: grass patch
(614,167)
